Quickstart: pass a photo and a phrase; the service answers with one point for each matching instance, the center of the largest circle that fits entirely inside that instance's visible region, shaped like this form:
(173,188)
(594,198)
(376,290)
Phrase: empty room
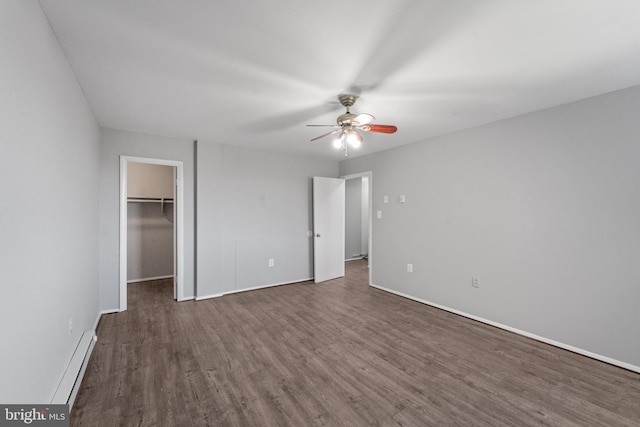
(408,213)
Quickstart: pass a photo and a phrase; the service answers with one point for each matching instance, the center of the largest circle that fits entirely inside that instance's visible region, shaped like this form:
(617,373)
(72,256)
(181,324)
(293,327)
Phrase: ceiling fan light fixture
(337,143)
(353,140)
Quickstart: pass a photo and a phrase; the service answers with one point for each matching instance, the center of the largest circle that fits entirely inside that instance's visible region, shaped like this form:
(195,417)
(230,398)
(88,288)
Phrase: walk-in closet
(150,222)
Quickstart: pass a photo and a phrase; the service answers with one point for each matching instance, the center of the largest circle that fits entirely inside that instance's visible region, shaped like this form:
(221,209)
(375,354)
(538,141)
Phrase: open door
(328,228)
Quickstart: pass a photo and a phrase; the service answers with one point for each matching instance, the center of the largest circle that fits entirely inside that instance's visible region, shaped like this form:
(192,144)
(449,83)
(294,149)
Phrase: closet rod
(160,200)
(149,200)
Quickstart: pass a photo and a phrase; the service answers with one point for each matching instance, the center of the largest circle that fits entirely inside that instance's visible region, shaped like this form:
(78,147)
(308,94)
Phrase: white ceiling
(253,73)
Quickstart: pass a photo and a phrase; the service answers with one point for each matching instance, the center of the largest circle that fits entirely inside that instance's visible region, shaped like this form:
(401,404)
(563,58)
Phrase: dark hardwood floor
(338,354)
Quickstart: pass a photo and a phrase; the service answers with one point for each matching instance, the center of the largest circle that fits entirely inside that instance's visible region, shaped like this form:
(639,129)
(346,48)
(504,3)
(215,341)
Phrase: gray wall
(149,180)
(115,143)
(49,215)
(253,206)
(366,215)
(543,208)
(149,240)
(353,218)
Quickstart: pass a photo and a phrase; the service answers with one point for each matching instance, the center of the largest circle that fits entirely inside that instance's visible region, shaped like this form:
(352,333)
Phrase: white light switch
(385,199)
(402,199)
(379,214)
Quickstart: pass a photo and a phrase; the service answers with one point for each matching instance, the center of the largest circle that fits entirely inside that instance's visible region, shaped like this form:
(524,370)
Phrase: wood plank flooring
(334,354)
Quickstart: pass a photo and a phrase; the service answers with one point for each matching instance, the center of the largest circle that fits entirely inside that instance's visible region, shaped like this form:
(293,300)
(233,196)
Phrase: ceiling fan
(349,124)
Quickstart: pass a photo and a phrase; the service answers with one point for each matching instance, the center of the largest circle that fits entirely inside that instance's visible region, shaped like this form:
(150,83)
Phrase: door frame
(368,174)
(178,247)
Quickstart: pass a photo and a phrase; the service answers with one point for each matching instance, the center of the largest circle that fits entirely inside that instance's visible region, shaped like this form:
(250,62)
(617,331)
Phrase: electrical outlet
(271,262)
(409,268)
(475,282)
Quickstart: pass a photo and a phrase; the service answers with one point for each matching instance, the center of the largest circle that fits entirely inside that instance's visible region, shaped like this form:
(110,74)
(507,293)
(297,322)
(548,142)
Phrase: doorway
(358,226)
(166,204)
(329,217)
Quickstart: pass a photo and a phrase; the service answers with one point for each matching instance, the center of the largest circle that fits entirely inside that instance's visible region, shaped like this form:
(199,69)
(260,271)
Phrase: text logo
(36,415)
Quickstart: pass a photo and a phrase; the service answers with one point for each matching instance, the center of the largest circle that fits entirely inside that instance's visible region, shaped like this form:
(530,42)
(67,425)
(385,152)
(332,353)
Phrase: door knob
(318,235)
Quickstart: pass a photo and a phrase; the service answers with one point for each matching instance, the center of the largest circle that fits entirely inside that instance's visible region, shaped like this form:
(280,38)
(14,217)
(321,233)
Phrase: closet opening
(150,223)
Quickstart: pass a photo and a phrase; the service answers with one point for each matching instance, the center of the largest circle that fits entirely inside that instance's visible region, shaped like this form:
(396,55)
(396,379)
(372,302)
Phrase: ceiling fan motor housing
(345,119)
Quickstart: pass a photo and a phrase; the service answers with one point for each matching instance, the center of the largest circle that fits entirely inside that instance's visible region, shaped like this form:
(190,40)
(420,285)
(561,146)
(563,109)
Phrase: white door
(328,228)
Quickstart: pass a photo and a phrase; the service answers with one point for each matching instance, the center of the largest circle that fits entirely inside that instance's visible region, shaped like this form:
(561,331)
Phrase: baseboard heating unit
(70,383)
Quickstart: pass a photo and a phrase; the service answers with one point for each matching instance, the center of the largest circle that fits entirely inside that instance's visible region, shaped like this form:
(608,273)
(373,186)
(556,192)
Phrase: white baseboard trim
(554,343)
(204,297)
(354,259)
(95,324)
(254,288)
(146,279)
(72,378)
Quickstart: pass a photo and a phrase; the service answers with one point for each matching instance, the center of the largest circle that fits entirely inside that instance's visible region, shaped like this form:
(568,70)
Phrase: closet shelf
(149,200)
(160,200)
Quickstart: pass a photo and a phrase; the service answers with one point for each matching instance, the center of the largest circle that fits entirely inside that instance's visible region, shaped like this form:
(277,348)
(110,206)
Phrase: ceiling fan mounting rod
(347,101)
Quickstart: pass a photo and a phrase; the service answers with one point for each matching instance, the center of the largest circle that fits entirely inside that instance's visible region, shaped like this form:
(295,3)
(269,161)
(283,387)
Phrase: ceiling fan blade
(327,134)
(292,118)
(363,119)
(329,126)
(379,128)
